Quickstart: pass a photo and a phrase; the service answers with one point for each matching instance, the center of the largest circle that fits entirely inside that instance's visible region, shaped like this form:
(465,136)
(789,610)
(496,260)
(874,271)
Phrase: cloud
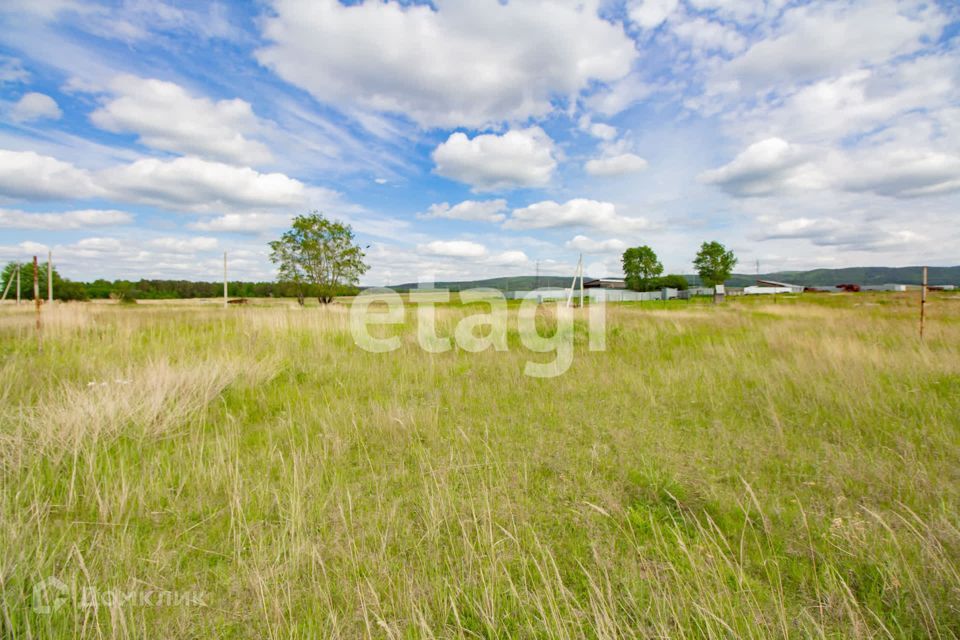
(650,14)
(508,258)
(98,245)
(814,41)
(243,222)
(181,184)
(766,168)
(26,174)
(775,167)
(491,162)
(11,70)
(860,101)
(35,106)
(588,245)
(465,63)
(471,210)
(599,130)
(578,212)
(166,117)
(620,95)
(183,245)
(617,165)
(706,35)
(79,219)
(830,232)
(453,249)
(202,186)
(903,173)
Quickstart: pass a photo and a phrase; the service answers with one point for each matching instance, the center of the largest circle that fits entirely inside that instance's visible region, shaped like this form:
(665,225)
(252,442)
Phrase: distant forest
(65,289)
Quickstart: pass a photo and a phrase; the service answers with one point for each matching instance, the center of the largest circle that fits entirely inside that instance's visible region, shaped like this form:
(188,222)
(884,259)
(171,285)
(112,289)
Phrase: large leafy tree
(714,263)
(320,254)
(641,266)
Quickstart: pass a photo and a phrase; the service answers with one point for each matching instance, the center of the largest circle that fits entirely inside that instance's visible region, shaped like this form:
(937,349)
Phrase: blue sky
(478,138)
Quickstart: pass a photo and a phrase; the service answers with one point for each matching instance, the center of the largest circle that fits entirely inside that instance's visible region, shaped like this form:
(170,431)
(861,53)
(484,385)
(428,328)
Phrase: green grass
(750,470)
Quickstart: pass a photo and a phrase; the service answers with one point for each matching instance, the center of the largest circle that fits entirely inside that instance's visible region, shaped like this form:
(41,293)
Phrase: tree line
(643,270)
(66,290)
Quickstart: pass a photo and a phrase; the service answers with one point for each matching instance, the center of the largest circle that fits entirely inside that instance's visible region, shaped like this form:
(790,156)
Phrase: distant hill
(513,283)
(852,275)
(813,278)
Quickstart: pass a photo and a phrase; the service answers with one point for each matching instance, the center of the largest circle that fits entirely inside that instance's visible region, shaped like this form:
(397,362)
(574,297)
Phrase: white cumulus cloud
(453,249)
(243,222)
(578,212)
(27,174)
(617,165)
(35,106)
(458,63)
(166,117)
(199,185)
(183,245)
(492,162)
(470,210)
(589,245)
(78,219)
(767,167)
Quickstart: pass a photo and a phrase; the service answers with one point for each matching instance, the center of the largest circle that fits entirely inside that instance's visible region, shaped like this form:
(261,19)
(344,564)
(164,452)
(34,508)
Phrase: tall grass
(753,470)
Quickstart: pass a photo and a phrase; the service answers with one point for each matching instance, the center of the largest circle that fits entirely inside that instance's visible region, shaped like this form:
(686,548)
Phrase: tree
(640,266)
(673,281)
(321,253)
(63,289)
(714,263)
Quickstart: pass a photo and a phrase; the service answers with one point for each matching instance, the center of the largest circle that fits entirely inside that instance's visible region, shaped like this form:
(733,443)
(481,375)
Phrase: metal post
(37,301)
(923,302)
(225,303)
(50,278)
(581,280)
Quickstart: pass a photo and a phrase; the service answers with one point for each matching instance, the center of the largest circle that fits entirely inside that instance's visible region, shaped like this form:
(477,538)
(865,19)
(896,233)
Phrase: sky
(467,139)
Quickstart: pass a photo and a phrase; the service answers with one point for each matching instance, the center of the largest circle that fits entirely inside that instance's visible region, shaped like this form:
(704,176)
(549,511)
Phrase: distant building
(883,287)
(757,290)
(791,288)
(605,283)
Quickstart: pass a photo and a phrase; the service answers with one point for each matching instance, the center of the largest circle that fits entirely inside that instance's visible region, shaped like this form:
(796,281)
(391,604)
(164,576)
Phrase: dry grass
(756,470)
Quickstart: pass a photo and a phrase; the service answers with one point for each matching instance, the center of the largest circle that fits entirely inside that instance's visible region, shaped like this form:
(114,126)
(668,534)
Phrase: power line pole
(538,275)
(37,301)
(50,278)
(923,301)
(18,284)
(581,280)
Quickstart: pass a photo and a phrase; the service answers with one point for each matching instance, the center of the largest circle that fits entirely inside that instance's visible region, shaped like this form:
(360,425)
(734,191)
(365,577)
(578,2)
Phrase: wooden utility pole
(37,301)
(225,302)
(50,278)
(923,302)
(18,284)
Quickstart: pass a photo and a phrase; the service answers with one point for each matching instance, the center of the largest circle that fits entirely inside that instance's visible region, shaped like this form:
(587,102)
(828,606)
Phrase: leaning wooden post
(7,288)
(50,278)
(923,302)
(37,301)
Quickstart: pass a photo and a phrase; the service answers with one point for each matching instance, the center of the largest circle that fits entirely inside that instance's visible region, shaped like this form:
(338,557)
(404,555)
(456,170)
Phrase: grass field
(750,470)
